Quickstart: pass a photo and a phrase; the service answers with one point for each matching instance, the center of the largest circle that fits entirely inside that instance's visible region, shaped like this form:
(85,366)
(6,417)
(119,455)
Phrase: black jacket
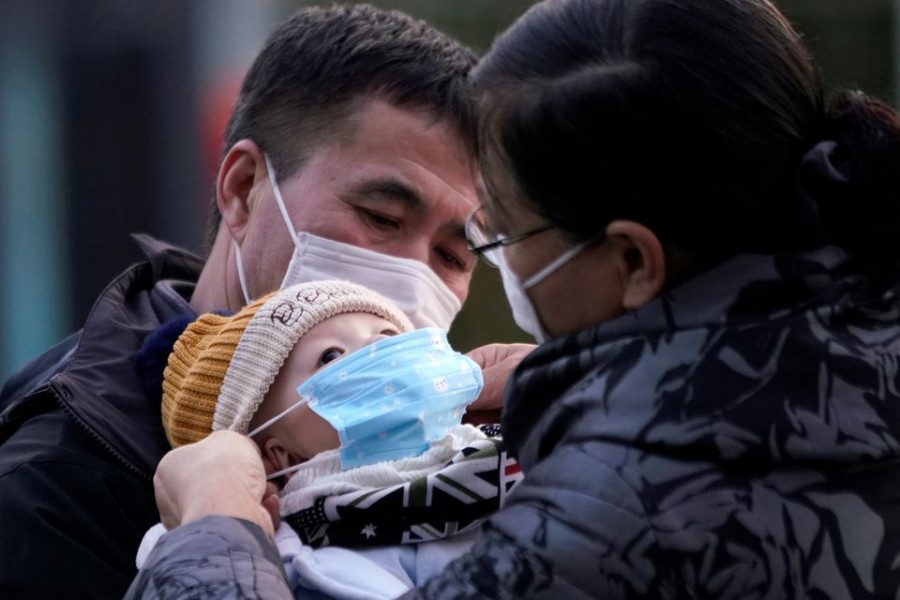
(80,440)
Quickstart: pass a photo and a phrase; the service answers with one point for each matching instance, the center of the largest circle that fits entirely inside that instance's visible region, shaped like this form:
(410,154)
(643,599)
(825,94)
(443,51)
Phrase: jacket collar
(100,386)
(744,292)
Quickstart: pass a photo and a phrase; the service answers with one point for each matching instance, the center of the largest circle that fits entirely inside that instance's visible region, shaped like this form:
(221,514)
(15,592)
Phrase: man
(352,127)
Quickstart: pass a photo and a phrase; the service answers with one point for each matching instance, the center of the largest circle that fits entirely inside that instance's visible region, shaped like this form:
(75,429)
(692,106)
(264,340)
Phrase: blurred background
(111,114)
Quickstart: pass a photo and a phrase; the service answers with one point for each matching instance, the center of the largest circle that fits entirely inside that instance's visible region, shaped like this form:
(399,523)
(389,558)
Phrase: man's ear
(242,168)
(644,262)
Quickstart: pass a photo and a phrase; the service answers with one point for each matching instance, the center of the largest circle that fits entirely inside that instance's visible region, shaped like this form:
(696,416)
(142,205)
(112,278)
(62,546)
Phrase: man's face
(402,184)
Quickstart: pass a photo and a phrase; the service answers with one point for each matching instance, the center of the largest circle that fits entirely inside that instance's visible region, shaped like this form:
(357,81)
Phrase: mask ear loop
(285,471)
(240,269)
(554,265)
(302,402)
(279,200)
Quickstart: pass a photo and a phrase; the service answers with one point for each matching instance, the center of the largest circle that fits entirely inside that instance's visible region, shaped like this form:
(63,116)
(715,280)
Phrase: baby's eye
(330,355)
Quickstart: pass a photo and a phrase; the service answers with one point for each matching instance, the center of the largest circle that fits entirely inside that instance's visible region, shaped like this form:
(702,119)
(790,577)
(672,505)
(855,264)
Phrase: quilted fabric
(736,438)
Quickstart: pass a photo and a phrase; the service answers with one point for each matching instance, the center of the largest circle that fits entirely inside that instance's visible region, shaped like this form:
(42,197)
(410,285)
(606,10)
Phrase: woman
(709,251)
(714,254)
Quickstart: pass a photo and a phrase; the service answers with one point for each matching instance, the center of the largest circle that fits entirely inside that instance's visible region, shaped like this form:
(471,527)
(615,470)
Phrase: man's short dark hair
(318,67)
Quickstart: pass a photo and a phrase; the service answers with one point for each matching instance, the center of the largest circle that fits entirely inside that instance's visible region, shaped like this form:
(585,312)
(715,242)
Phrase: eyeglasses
(487,245)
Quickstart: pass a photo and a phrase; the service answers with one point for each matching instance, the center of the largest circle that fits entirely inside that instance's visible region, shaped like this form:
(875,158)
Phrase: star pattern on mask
(368,531)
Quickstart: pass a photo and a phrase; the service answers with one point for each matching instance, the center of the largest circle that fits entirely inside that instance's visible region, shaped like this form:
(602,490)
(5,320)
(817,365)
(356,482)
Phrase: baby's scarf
(452,488)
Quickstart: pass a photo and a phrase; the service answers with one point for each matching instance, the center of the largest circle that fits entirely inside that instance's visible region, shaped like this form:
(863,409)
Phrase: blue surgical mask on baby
(392,398)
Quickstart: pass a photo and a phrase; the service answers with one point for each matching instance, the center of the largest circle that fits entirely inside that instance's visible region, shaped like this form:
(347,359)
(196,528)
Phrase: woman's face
(585,291)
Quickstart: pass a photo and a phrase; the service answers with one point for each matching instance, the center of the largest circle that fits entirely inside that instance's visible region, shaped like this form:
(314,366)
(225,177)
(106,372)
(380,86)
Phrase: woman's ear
(644,262)
(242,168)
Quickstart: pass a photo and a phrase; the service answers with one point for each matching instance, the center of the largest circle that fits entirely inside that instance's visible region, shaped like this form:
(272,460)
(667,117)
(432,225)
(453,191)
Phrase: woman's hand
(497,362)
(219,475)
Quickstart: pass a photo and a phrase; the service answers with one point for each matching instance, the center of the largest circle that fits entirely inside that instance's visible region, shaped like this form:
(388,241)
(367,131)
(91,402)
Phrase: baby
(357,417)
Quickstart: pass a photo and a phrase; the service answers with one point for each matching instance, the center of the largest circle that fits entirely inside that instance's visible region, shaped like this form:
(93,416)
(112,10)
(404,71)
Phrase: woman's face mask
(411,284)
(392,398)
(524,313)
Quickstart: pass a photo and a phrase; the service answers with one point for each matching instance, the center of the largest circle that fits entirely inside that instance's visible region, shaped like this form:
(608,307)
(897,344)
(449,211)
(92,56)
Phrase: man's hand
(497,362)
(219,475)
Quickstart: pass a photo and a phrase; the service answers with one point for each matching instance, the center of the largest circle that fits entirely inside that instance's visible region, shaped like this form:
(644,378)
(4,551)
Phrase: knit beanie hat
(221,367)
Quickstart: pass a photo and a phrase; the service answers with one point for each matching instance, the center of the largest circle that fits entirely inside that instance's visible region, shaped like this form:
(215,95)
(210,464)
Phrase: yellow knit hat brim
(196,368)
(221,368)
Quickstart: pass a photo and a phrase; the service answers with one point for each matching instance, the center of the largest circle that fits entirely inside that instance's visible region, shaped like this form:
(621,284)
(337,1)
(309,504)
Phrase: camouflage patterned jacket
(737,438)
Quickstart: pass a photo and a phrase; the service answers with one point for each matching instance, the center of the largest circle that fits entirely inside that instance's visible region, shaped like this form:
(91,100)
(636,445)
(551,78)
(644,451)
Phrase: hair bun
(854,178)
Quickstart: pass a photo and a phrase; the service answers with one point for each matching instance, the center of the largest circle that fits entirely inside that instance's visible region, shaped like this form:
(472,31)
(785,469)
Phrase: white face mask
(411,284)
(524,313)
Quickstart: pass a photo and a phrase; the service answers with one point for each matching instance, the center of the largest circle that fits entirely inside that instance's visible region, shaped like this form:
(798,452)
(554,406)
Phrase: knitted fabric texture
(221,368)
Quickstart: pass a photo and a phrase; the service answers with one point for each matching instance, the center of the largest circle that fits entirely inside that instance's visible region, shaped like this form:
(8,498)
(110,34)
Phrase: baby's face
(301,434)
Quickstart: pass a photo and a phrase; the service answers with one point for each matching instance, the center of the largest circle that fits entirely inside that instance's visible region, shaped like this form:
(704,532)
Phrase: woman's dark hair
(692,117)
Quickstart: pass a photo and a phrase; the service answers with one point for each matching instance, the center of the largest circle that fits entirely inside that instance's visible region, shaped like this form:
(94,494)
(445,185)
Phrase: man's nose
(415,246)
